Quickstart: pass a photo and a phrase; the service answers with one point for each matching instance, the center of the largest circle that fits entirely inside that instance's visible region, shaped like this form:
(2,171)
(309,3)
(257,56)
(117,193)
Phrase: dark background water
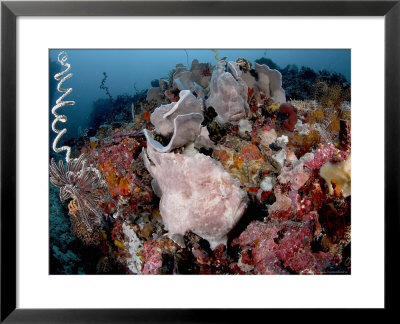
(130,71)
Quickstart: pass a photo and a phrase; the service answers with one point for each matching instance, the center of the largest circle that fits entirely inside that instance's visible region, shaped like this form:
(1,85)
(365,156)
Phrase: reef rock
(297,175)
(227,95)
(197,195)
(267,137)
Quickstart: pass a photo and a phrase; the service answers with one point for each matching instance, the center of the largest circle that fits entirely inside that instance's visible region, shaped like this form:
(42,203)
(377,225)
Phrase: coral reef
(211,171)
(280,248)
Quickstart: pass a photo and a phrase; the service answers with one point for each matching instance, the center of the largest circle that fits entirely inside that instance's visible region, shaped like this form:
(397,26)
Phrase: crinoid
(79,182)
(331,95)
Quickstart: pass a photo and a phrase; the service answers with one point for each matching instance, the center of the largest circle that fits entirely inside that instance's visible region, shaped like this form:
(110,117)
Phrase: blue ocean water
(131,71)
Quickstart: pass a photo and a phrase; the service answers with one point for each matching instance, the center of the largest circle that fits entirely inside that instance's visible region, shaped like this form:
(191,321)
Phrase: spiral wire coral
(61,77)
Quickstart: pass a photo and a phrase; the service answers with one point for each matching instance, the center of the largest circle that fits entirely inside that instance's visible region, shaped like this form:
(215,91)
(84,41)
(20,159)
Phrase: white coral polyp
(198,195)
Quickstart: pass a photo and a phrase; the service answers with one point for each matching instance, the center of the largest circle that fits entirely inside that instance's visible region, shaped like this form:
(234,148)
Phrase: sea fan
(79,181)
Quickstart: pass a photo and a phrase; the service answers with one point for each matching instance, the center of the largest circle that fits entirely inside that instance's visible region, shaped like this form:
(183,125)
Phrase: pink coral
(279,248)
(296,175)
(310,263)
(282,208)
(153,259)
(116,163)
(323,154)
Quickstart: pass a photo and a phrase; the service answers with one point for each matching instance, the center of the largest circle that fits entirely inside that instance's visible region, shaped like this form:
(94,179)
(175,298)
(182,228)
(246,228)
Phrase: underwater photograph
(200,161)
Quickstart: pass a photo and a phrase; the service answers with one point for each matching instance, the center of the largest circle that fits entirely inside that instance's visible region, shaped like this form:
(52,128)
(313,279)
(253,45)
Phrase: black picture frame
(10,10)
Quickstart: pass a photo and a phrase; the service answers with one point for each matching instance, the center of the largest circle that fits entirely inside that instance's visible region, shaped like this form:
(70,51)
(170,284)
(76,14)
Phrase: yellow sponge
(340,173)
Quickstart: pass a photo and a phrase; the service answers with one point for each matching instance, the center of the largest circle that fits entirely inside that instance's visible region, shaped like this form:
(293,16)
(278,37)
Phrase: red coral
(291,121)
(285,206)
(146,116)
(171,96)
(323,154)
(295,237)
(253,105)
(259,237)
(117,233)
(345,135)
(201,256)
(250,92)
(246,257)
(206,71)
(250,152)
(277,248)
(152,255)
(115,159)
(310,263)
(313,192)
(221,256)
(234,269)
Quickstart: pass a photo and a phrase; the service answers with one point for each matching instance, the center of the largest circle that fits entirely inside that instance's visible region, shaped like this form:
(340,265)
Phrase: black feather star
(78,181)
